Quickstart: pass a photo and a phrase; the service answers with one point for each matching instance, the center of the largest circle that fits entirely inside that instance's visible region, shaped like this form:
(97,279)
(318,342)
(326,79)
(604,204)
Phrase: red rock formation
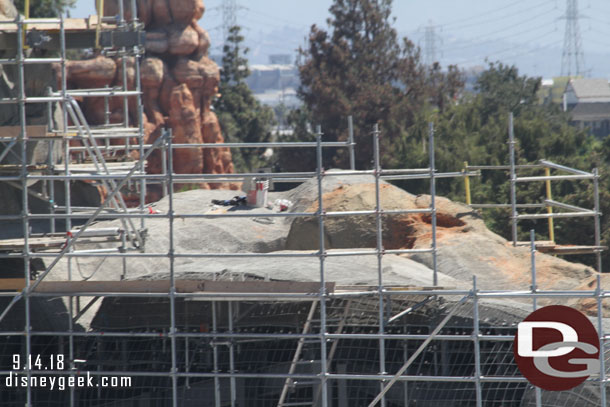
(178,82)
(181,40)
(92,73)
(186,127)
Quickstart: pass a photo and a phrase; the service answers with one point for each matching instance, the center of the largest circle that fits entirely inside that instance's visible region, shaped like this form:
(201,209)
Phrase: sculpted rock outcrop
(178,81)
(182,40)
(186,126)
(91,73)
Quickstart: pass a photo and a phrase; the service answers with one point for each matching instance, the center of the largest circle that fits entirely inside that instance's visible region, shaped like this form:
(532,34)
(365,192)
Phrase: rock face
(465,247)
(178,81)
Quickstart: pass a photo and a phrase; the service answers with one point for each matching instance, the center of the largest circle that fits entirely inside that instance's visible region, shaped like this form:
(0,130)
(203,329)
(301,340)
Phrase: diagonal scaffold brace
(419,350)
(73,240)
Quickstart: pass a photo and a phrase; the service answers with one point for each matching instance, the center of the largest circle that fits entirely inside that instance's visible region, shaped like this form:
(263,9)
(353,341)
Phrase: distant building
(551,90)
(280,59)
(588,101)
(274,84)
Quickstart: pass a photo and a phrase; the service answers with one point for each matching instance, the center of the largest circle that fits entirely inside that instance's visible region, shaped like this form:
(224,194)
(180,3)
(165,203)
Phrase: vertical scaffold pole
(98,28)
(534,288)
(477,345)
(598,214)
(172,278)
(67,191)
(549,208)
(513,192)
(322,256)
(164,169)
(232,381)
(602,343)
(350,140)
(24,200)
(143,188)
(432,200)
(378,225)
(217,395)
(533,265)
(467,184)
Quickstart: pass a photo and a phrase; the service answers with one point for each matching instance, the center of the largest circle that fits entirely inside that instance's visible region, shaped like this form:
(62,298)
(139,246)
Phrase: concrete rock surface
(7,10)
(495,263)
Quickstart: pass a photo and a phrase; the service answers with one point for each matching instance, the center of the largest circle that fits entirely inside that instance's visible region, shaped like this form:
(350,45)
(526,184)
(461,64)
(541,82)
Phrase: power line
(485,14)
(504,17)
(513,47)
(510,56)
(503,29)
(275,19)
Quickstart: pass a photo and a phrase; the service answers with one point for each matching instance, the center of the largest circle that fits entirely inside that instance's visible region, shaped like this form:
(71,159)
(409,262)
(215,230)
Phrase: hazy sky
(529,33)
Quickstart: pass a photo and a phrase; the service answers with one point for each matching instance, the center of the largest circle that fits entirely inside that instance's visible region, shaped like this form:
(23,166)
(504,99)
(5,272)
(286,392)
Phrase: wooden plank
(571,250)
(33,131)
(12,168)
(41,243)
(90,168)
(12,284)
(182,286)
(34,242)
(264,287)
(374,288)
(538,243)
(70,24)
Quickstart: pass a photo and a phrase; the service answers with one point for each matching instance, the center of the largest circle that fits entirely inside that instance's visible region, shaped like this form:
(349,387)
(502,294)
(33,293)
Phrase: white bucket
(262,192)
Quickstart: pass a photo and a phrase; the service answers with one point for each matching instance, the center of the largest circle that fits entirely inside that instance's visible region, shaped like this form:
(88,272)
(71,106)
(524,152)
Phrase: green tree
(242,117)
(45,8)
(361,68)
(476,130)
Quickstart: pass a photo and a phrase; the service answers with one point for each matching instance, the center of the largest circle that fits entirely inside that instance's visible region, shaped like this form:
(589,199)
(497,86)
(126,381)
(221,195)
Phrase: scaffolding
(224,339)
(548,203)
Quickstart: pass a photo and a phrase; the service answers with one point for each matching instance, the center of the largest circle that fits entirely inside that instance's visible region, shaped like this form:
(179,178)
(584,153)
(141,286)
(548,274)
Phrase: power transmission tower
(430,40)
(229,17)
(572,58)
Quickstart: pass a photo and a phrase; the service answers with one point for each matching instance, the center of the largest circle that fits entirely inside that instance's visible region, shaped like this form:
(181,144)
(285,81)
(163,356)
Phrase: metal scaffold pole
(477,345)
(598,215)
(602,341)
(433,201)
(232,380)
(24,202)
(322,255)
(513,193)
(350,140)
(172,277)
(320,335)
(380,252)
(534,289)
